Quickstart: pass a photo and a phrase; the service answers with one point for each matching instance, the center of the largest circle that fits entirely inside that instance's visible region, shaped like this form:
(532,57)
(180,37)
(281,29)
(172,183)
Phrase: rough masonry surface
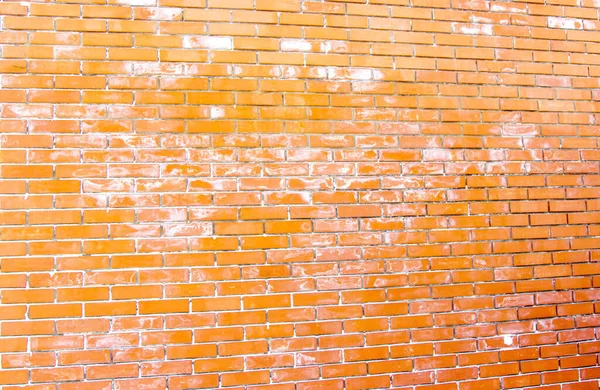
(299,195)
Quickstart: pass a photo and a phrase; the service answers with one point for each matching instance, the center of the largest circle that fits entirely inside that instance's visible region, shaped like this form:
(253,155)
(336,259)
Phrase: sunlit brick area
(299,195)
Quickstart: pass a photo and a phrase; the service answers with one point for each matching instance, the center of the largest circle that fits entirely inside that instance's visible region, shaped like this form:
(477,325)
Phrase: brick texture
(299,195)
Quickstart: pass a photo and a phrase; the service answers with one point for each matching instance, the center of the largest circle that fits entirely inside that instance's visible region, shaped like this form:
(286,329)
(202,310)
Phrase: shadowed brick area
(299,195)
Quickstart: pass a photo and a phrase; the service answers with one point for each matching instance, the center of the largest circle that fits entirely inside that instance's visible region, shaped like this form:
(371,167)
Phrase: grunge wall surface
(299,195)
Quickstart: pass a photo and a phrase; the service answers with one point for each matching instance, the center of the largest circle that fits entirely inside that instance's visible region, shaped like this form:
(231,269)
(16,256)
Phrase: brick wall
(299,195)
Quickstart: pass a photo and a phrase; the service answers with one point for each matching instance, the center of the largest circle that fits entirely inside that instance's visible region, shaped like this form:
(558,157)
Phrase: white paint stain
(217,112)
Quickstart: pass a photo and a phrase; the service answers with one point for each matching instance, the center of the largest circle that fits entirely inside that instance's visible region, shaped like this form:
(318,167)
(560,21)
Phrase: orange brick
(331,194)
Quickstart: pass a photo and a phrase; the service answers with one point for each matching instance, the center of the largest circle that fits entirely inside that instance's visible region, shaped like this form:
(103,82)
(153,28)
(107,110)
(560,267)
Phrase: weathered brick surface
(299,195)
